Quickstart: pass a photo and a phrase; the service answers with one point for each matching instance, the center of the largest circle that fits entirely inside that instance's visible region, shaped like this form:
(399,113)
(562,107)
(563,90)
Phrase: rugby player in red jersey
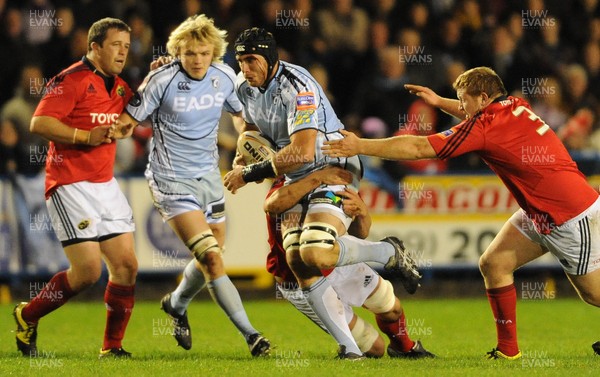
(559,209)
(89,213)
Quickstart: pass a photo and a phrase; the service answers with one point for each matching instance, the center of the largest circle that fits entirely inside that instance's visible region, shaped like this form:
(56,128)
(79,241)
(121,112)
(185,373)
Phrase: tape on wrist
(259,171)
(75,136)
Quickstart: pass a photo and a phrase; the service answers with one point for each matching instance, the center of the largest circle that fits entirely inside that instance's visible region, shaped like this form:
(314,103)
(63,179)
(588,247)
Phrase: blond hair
(480,80)
(202,29)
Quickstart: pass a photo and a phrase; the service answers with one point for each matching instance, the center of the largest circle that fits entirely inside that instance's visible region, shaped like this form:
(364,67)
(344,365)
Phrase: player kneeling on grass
(559,209)
(356,285)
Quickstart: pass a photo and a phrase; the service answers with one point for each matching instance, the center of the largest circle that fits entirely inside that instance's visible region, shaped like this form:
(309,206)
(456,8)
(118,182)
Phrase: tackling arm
(406,147)
(287,196)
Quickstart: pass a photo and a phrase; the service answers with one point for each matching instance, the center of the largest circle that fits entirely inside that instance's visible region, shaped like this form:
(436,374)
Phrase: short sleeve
(60,98)
(302,112)
(465,137)
(146,99)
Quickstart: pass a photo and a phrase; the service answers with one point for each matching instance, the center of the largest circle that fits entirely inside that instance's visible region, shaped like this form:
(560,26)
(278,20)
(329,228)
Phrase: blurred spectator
(23,152)
(392,12)
(12,39)
(40,19)
(344,32)
(319,73)
(421,120)
(376,170)
(591,61)
(449,44)
(416,57)
(549,103)
(578,96)
(78,44)
(379,37)
(141,51)
(549,54)
(57,50)
(382,95)
(232,16)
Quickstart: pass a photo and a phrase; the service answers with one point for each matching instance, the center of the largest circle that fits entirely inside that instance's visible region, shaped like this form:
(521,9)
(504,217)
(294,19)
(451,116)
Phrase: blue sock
(354,250)
(226,295)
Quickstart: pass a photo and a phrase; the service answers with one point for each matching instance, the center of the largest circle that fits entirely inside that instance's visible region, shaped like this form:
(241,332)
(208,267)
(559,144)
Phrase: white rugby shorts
(322,200)
(353,285)
(576,243)
(174,196)
(86,211)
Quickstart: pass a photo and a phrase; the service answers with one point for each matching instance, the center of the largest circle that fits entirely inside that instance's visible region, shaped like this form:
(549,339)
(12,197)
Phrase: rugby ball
(254,147)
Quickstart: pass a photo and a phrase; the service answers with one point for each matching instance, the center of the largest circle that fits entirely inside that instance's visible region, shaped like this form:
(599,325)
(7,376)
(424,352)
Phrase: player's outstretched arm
(287,196)
(55,130)
(406,147)
(447,105)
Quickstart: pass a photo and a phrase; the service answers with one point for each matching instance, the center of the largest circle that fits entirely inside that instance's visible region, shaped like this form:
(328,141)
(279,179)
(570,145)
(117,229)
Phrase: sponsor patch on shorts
(325,197)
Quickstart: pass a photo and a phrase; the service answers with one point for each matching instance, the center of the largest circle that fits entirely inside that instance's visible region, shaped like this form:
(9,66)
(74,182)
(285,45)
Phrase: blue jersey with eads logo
(185,115)
(294,101)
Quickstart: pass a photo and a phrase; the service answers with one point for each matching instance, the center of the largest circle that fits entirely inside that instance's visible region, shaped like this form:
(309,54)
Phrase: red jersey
(527,156)
(276,262)
(79,98)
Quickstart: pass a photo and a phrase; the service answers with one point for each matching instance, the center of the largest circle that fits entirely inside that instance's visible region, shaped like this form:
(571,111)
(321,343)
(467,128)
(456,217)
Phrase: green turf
(555,336)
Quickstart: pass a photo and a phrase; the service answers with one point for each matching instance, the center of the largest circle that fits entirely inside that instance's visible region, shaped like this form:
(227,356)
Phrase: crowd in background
(362,52)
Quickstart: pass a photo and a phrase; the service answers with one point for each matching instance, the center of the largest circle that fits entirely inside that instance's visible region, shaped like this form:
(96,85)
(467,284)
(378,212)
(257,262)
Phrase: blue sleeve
(148,96)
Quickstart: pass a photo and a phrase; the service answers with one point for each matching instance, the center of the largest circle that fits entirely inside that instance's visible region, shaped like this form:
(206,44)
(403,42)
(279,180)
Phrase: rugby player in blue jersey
(184,100)
(285,103)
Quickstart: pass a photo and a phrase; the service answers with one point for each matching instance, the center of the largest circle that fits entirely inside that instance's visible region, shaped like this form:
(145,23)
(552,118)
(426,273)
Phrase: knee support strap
(316,234)
(383,299)
(203,243)
(291,239)
(364,334)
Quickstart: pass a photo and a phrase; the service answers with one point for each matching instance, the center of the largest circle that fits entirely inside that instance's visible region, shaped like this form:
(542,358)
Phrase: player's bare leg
(201,239)
(119,254)
(507,252)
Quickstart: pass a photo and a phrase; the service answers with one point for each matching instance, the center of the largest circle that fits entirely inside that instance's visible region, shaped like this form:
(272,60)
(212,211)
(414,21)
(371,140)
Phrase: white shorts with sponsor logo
(174,196)
(89,211)
(322,200)
(576,243)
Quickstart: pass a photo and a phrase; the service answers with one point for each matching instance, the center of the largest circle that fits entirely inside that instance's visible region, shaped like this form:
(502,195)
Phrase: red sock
(119,304)
(54,295)
(397,333)
(503,301)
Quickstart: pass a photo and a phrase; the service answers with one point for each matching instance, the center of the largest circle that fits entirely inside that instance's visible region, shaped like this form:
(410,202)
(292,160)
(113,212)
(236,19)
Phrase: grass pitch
(555,338)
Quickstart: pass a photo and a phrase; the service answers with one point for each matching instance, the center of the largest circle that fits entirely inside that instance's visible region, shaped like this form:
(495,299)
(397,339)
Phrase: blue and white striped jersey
(185,116)
(294,101)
